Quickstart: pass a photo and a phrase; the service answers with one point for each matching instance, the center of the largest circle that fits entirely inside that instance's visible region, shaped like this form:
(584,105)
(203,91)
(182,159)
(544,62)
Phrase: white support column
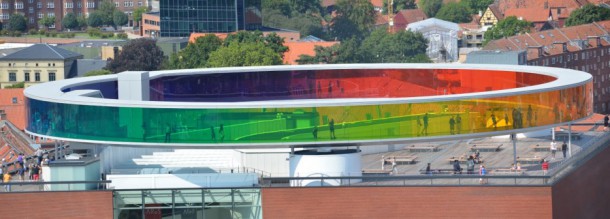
(133,85)
(513,137)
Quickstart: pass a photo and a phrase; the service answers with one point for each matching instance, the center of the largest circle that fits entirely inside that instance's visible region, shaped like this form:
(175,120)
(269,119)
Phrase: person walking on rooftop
(553,148)
(470,165)
(545,167)
(482,172)
(456,167)
(331,128)
(7,179)
(564,149)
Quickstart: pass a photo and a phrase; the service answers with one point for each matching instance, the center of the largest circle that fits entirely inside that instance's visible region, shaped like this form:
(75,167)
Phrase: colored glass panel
(324,84)
(308,124)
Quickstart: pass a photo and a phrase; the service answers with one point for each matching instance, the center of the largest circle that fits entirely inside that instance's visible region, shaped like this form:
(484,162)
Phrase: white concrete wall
(154,181)
(324,165)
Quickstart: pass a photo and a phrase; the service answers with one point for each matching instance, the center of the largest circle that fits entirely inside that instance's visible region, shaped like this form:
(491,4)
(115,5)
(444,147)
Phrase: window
(12,76)
(69,4)
(31,10)
(50,4)
(18,5)
(90,4)
(51,14)
(40,15)
(39,4)
(4,5)
(27,76)
(4,16)
(14,100)
(37,76)
(116,4)
(51,76)
(140,3)
(79,5)
(53,64)
(32,20)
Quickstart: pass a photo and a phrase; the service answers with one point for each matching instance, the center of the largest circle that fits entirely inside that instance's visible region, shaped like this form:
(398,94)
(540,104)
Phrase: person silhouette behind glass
(331,127)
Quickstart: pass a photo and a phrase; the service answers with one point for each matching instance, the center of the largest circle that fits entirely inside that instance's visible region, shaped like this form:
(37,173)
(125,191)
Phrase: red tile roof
(405,17)
(548,39)
(295,49)
(15,112)
(529,14)
(566,5)
(377,3)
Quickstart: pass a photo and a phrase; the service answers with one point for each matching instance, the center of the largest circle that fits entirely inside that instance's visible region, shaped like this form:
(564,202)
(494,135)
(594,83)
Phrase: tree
(95,19)
(455,12)
(17,22)
(282,6)
(106,10)
(398,5)
(70,21)
(306,24)
(509,26)
(399,47)
(47,21)
(353,18)
(196,54)
(273,41)
(137,55)
(82,22)
(305,6)
(97,72)
(430,7)
(120,18)
(137,15)
(477,5)
(17,85)
(244,54)
(588,14)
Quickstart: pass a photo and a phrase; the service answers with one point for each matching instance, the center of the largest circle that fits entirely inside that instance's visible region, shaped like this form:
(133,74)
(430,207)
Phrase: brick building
(584,47)
(34,10)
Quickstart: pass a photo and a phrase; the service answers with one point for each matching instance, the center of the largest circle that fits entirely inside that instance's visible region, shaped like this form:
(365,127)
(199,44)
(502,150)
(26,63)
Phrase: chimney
(598,42)
(538,48)
(564,46)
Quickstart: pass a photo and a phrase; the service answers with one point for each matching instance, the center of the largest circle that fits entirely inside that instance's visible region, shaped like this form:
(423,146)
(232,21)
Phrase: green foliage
(42,32)
(94,32)
(588,14)
(305,6)
(196,54)
(273,41)
(430,7)
(509,26)
(353,18)
(244,54)
(455,12)
(306,24)
(17,22)
(137,14)
(106,10)
(137,55)
(120,18)
(47,21)
(52,33)
(95,19)
(82,22)
(477,5)
(380,46)
(33,32)
(400,47)
(282,6)
(17,85)
(121,35)
(97,72)
(70,21)
(398,5)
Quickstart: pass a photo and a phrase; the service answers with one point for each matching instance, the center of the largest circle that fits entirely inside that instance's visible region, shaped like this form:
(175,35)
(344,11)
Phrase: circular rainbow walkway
(284,106)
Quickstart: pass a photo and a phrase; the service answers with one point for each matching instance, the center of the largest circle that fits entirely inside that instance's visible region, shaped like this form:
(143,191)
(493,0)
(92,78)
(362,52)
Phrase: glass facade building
(372,105)
(199,203)
(180,18)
